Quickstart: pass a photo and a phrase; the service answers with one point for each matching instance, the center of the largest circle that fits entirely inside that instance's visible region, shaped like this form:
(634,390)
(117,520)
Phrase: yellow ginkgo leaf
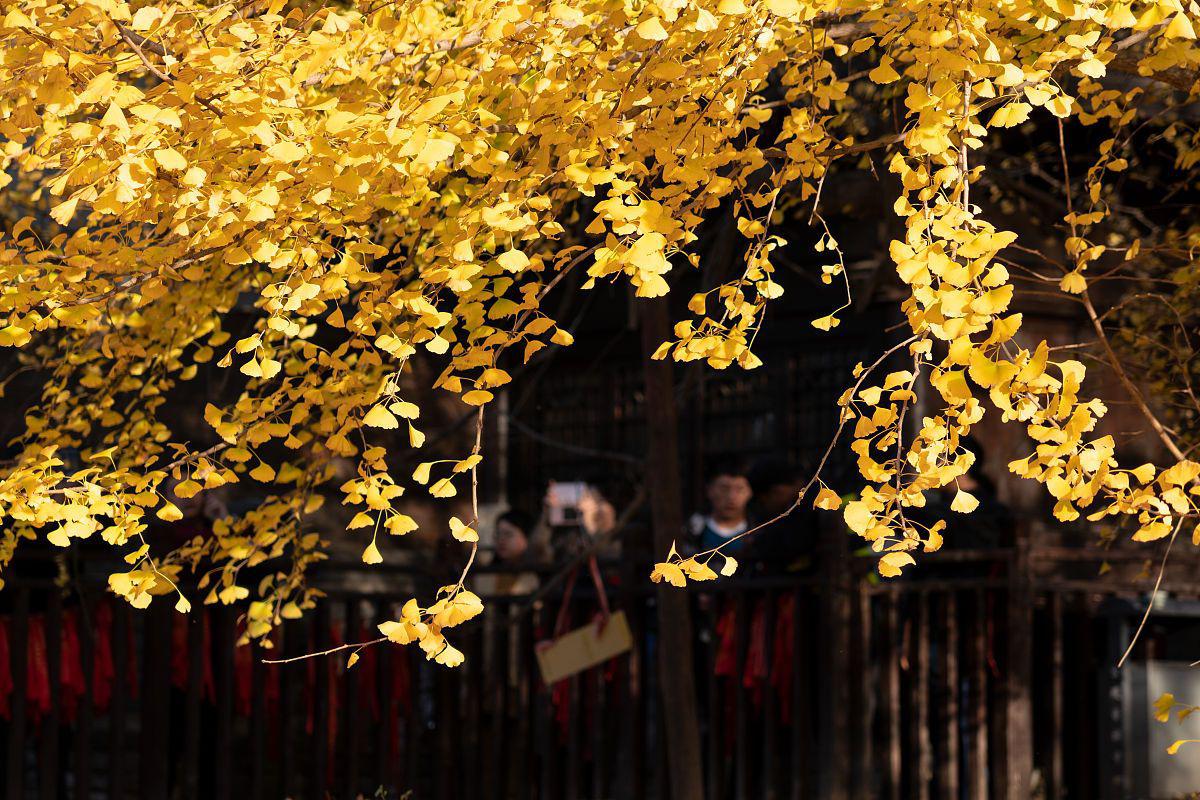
(671,573)
(287,152)
(380,417)
(169,512)
(372,555)
(651,30)
(461,531)
(415,437)
(890,564)
(964,502)
(828,499)
(170,160)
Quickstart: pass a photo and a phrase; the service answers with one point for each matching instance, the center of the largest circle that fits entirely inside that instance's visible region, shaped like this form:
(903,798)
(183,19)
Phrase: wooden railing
(976,680)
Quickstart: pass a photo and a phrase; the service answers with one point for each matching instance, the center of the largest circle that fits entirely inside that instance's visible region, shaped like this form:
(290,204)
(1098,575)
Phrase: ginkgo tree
(386,181)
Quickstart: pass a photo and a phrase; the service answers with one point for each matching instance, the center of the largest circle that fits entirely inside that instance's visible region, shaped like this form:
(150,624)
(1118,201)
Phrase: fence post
(835,637)
(1018,705)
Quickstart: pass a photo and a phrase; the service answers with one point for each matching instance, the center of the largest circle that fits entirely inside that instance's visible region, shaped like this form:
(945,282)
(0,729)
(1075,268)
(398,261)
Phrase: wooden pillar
(1018,704)
(677,683)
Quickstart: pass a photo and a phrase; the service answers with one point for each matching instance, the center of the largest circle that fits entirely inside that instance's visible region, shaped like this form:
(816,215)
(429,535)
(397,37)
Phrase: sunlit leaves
(381,417)
(334,210)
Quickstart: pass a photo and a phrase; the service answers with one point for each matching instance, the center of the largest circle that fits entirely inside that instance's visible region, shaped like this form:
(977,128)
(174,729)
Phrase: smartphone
(564,508)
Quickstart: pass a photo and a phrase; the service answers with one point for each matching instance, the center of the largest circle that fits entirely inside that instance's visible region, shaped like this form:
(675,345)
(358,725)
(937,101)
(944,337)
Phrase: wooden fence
(974,682)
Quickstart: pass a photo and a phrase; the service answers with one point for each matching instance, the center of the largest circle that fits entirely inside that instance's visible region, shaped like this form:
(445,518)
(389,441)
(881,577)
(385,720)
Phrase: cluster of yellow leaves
(960,296)
(950,64)
(1163,707)
(316,195)
(677,570)
(424,626)
(312,196)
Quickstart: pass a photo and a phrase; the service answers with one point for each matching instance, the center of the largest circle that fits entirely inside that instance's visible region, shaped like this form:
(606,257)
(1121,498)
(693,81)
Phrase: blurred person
(513,550)
(574,516)
(787,543)
(988,526)
(727,490)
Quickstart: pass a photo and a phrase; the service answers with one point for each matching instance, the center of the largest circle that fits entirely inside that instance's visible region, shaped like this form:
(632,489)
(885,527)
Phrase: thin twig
(1150,604)
(329,652)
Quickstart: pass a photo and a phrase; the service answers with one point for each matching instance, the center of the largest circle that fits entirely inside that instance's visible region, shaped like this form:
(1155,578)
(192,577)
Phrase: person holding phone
(576,513)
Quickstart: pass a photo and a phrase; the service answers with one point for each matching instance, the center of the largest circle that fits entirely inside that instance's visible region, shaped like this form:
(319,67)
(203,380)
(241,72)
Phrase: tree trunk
(675,663)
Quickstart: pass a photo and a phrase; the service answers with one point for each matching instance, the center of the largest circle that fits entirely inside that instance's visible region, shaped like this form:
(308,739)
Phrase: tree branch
(1130,388)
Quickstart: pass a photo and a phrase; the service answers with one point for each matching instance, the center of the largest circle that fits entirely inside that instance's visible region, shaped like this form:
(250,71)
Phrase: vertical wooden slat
(977,758)
(414,730)
(1090,703)
(834,746)
(948,778)
(491,678)
(290,705)
(543,721)
(574,714)
(350,732)
(741,742)
(321,711)
(652,727)
(1113,703)
(222,656)
(599,731)
(520,782)
(447,736)
(865,691)
(120,693)
(924,771)
(18,664)
(1019,674)
(156,702)
(50,773)
(386,662)
(258,723)
(716,721)
(801,763)
(190,769)
(643,694)
(1057,729)
(767,777)
(83,729)
(891,692)
(628,696)
(471,696)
